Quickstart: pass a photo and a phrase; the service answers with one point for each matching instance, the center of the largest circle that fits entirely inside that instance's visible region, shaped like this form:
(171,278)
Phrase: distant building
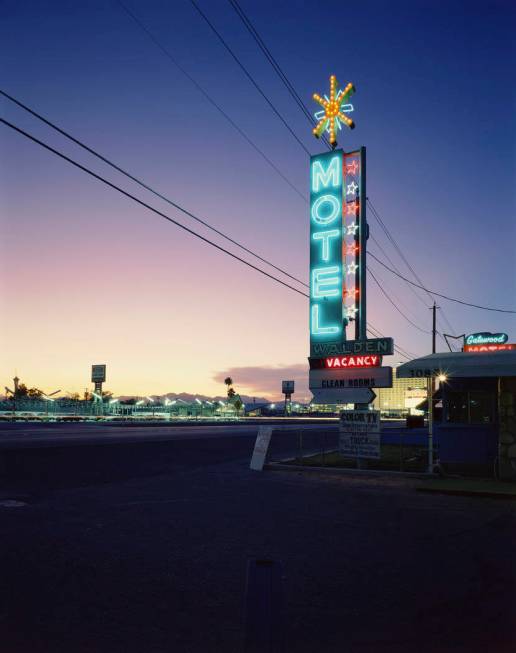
(402,398)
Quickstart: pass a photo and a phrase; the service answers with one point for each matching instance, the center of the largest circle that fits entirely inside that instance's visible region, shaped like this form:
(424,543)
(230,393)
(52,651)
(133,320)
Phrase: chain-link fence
(401,449)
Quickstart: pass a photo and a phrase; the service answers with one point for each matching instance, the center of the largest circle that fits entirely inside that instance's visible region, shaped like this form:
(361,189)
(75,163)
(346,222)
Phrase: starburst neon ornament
(334,110)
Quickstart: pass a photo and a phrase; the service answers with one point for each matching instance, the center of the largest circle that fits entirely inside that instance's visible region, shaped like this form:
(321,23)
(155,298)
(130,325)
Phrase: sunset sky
(88,276)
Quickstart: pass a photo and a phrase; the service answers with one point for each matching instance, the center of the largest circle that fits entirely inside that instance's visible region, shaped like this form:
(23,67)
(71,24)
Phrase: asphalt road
(142,546)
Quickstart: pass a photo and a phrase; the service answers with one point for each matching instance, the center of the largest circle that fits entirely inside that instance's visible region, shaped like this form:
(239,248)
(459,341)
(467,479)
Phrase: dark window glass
(458,407)
(480,408)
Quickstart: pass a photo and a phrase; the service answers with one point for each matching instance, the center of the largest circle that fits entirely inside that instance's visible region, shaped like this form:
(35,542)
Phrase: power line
(395,244)
(398,249)
(382,250)
(303,107)
(148,206)
(277,68)
(249,76)
(395,306)
(433,292)
(169,219)
(208,97)
(146,186)
(373,331)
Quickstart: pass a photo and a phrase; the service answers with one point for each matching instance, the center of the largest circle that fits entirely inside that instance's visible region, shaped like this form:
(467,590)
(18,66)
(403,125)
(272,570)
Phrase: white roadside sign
(359,433)
(261,447)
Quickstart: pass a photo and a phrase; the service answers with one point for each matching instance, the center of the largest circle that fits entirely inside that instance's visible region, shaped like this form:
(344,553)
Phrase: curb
(345,470)
(468,493)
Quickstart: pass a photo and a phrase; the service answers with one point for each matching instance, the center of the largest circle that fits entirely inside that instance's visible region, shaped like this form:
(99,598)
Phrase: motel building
(476,429)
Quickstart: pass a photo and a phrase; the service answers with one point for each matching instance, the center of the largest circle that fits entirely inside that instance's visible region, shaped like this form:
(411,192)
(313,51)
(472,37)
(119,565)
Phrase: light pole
(151,400)
(112,403)
(430,399)
(47,399)
(99,399)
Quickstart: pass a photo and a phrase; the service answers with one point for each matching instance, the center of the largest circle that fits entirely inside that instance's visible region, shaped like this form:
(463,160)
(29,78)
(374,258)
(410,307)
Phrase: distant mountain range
(185,396)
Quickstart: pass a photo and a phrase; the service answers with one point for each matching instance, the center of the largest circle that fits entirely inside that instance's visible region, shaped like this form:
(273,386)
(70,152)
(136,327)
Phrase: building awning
(461,364)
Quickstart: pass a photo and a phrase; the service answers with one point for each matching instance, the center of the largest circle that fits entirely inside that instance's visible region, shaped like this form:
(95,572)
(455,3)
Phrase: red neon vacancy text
(352,361)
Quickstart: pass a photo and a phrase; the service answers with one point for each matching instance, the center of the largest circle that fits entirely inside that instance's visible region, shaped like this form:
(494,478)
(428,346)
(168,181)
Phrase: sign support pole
(430,399)
(361,319)
(361,316)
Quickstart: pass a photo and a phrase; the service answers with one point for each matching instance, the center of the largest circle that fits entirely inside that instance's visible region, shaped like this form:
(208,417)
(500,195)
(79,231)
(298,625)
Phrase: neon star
(352,208)
(351,311)
(352,268)
(350,292)
(351,168)
(352,249)
(352,229)
(351,188)
(334,111)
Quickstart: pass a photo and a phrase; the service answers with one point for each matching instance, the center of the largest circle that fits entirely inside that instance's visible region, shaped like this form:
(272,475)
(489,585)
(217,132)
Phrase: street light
(112,402)
(442,377)
(47,399)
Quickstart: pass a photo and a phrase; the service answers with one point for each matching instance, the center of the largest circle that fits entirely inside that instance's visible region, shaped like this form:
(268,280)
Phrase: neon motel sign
(326,274)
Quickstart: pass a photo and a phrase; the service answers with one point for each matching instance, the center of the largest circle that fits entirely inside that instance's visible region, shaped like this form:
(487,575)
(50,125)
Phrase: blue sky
(435,107)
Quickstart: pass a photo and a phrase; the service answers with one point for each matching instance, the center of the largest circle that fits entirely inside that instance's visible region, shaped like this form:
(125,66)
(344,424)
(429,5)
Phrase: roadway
(141,545)
(40,434)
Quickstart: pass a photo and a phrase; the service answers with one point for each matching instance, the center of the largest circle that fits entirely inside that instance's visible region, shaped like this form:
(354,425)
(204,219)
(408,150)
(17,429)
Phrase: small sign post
(287,388)
(261,447)
(359,434)
(98,376)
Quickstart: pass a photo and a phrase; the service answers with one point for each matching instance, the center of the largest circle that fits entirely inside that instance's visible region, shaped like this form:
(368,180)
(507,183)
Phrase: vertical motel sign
(338,234)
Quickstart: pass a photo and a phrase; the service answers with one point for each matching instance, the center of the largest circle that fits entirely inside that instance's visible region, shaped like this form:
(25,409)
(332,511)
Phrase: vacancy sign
(345,362)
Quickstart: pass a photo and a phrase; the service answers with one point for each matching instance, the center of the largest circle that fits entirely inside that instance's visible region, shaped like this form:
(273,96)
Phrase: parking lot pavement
(150,554)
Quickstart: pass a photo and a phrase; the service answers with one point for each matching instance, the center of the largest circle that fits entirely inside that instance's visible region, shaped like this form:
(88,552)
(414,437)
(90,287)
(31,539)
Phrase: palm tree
(229,382)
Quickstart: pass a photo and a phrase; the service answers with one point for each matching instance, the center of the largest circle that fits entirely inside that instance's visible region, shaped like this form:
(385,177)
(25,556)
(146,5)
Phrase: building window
(480,408)
(474,407)
(457,407)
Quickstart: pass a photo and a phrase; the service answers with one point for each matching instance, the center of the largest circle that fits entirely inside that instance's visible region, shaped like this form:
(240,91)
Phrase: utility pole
(434,325)
(430,396)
